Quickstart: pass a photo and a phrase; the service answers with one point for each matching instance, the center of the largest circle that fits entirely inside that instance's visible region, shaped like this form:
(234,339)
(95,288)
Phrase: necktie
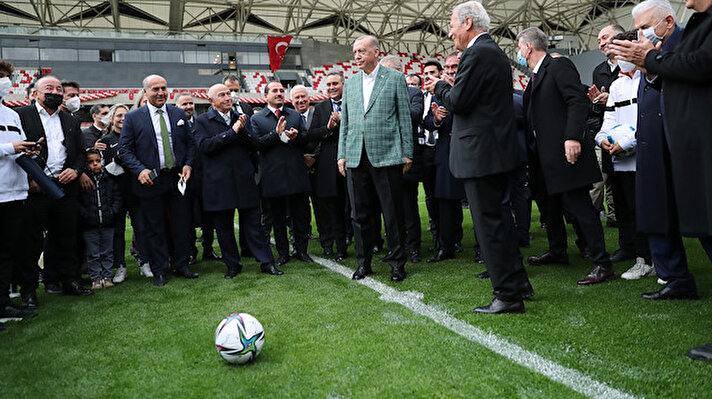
(304,120)
(165,138)
(227,118)
(533,78)
(276,113)
(337,106)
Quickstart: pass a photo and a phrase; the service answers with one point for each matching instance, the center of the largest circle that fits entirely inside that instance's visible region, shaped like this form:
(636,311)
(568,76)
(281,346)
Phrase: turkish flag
(277,48)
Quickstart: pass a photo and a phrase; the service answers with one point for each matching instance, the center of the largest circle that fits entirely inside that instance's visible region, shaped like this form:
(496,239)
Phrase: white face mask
(625,66)
(73,104)
(5,86)
(105,120)
(235,97)
(650,34)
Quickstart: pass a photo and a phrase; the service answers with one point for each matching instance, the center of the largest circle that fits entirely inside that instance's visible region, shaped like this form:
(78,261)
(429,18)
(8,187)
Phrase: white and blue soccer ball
(239,338)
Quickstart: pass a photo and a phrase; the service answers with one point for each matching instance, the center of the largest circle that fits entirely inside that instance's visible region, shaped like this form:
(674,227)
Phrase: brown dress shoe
(598,274)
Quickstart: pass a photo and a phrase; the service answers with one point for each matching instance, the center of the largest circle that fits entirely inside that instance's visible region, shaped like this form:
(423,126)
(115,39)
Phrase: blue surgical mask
(650,34)
(522,61)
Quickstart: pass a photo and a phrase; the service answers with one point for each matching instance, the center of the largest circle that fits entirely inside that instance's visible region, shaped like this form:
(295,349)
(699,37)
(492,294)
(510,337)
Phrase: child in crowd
(98,209)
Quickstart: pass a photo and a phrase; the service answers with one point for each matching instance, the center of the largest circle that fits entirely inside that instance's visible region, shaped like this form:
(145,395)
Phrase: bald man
(224,145)
(157,148)
(62,159)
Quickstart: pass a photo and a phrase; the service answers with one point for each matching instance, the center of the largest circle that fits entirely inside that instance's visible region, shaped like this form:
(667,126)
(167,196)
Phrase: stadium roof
(401,25)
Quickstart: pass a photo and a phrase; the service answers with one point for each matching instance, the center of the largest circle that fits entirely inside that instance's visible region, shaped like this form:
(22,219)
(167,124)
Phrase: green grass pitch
(330,337)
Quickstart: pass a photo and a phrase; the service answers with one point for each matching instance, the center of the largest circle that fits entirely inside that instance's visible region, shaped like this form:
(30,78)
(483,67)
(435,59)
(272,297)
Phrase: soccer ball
(239,338)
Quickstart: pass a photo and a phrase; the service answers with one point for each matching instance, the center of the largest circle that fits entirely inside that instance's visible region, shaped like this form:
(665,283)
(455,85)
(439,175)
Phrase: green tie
(167,153)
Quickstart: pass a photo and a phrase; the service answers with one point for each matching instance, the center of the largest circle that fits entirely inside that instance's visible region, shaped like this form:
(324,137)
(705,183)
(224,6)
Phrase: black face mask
(52,101)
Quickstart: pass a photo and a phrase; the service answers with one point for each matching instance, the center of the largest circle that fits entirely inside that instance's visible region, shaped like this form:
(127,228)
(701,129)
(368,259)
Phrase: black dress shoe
(622,255)
(340,256)
(670,293)
(304,257)
(29,301)
(232,272)
(701,353)
(397,273)
(415,257)
(547,258)
(597,275)
(526,290)
(211,256)
(282,260)
(478,258)
(186,273)
(192,260)
(13,313)
(271,269)
(361,272)
(53,288)
(499,306)
(377,248)
(76,289)
(159,280)
(483,275)
(441,256)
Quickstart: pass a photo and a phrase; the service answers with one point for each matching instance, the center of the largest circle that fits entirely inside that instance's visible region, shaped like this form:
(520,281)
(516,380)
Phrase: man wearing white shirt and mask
(233,84)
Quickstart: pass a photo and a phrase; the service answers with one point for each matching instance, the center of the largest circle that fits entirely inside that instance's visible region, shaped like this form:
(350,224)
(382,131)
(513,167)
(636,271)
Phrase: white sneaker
(145,270)
(120,275)
(662,282)
(639,270)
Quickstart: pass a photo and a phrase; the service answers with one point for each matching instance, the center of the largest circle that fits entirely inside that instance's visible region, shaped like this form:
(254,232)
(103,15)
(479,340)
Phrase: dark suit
(482,153)
(284,180)
(557,108)
(448,191)
(90,136)
(411,180)
(229,184)
(328,185)
(58,217)
(138,148)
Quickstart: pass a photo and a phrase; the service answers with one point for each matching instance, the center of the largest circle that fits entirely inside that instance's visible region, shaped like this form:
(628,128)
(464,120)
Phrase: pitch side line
(414,301)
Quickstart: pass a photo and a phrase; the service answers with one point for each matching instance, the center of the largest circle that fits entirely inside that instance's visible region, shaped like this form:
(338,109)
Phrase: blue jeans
(100,251)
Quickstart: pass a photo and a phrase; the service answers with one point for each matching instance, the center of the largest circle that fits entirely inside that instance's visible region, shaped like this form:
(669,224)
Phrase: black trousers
(577,203)
(250,230)
(371,188)
(495,234)
(624,198)
(431,203)
(156,213)
(297,206)
(12,245)
(521,203)
(449,223)
(59,219)
(411,214)
(329,214)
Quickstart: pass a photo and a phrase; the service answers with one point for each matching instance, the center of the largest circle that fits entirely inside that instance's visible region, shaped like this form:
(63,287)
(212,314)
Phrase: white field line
(413,301)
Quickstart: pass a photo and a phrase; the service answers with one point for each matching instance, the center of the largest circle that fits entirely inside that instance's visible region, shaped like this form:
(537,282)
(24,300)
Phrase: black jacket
(99,207)
(326,179)
(687,95)
(557,109)
(484,140)
(73,141)
(603,77)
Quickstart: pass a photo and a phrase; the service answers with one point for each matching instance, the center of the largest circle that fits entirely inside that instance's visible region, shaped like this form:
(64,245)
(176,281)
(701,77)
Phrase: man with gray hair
(485,149)
(157,147)
(376,146)
(557,109)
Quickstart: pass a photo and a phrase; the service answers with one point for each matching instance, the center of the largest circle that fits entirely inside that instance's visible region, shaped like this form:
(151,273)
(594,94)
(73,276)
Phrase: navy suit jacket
(228,172)
(282,168)
(138,147)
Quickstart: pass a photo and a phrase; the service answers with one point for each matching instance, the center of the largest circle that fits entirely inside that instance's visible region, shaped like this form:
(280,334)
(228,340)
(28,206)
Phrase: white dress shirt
(156,119)
(56,151)
(368,82)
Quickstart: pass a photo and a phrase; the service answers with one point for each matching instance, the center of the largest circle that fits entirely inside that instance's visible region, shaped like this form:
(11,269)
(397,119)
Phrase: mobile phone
(610,140)
(152,175)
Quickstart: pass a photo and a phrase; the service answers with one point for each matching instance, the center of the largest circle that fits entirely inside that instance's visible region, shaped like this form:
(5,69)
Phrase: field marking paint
(571,378)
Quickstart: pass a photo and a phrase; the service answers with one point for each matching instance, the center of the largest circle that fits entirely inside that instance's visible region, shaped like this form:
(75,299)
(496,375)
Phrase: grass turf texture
(327,336)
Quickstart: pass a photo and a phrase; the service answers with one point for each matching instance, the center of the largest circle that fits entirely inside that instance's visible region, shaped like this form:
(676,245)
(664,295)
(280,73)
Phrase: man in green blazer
(375,149)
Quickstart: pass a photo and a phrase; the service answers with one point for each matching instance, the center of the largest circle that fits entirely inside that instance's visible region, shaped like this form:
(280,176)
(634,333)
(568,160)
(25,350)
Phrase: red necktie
(276,113)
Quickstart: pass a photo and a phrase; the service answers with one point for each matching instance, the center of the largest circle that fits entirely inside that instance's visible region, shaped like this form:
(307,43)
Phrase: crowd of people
(358,158)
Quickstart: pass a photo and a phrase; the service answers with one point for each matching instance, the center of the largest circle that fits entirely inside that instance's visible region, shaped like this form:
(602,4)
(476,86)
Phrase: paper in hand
(181,185)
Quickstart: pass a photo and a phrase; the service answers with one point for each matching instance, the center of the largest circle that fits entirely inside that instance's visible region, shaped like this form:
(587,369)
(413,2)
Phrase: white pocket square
(180,123)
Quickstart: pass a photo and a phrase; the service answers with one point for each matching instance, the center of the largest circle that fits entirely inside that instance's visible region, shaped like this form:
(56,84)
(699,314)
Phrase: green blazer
(384,129)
